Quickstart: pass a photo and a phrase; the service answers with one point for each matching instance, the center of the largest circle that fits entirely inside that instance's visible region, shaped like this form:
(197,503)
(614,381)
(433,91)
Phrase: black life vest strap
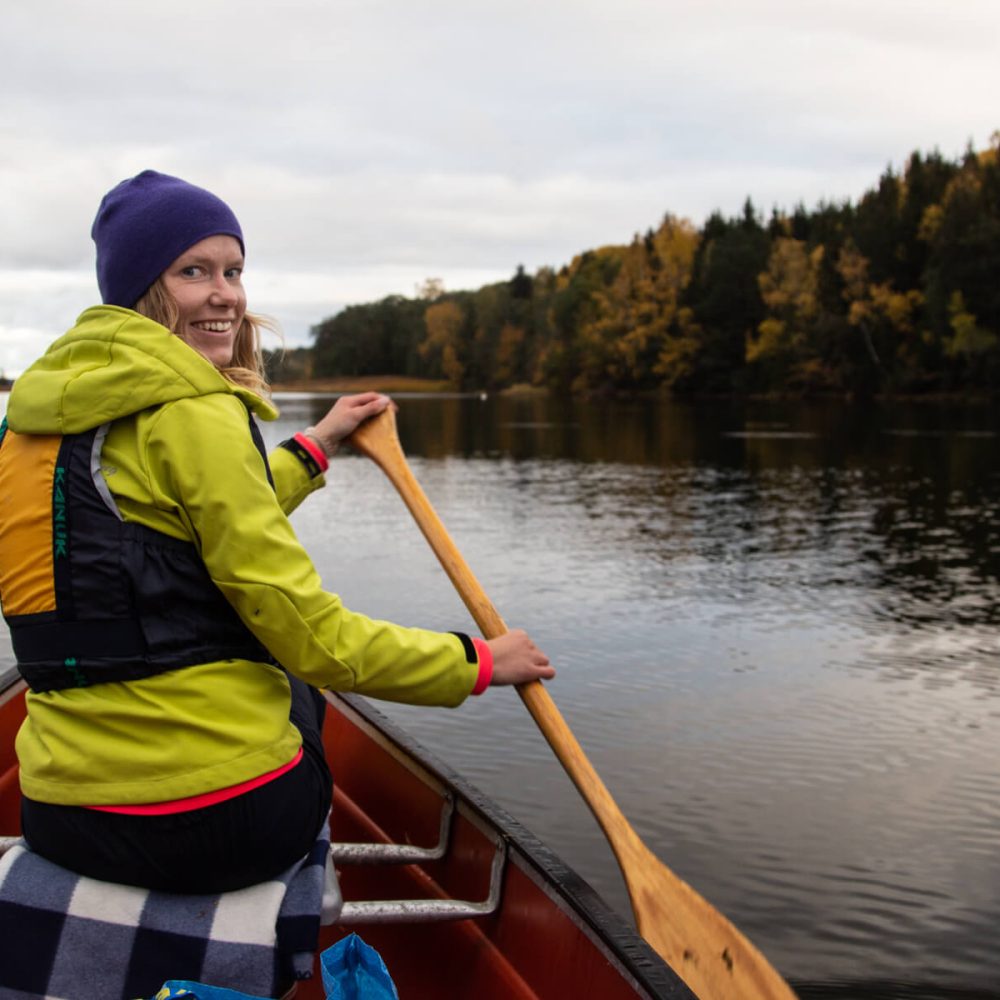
(34,638)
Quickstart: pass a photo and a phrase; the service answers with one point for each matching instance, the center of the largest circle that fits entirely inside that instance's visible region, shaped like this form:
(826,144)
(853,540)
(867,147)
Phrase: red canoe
(528,928)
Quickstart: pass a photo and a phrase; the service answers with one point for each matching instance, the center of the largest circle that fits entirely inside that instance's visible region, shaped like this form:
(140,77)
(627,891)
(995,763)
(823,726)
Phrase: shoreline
(393,384)
(408,384)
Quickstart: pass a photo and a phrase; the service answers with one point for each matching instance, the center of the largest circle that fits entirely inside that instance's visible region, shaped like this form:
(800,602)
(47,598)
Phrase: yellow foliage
(452,368)
(897,307)
(968,339)
(678,357)
(964,184)
(930,223)
(511,339)
(443,321)
(676,242)
(852,266)
(626,300)
(769,340)
(790,290)
(988,157)
(859,312)
(868,302)
(791,280)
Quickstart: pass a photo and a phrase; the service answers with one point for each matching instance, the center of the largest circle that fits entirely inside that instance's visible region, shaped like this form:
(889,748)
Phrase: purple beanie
(144,224)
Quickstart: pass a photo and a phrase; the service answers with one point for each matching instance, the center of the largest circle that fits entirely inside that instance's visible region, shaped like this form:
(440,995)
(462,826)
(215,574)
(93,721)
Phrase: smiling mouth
(214,326)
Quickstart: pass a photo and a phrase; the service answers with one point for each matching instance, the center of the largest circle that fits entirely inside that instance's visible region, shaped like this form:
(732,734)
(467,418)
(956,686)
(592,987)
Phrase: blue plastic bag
(182,989)
(353,970)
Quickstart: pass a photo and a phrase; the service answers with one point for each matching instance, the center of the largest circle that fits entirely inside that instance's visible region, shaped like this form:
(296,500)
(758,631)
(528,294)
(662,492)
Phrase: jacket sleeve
(292,480)
(215,482)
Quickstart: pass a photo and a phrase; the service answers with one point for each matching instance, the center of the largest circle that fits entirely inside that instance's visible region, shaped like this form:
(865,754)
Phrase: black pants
(230,845)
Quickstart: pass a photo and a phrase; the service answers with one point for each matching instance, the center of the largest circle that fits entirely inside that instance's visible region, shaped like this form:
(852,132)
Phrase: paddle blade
(700,944)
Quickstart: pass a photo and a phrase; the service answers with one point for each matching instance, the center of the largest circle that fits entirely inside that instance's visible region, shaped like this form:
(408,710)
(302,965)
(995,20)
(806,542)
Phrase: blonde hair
(247,366)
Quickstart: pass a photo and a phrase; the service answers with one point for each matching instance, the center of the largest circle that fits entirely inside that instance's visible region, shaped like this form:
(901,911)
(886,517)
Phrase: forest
(896,294)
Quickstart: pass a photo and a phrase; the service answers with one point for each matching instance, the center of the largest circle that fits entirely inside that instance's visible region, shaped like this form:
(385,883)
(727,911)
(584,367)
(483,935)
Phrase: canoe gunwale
(608,930)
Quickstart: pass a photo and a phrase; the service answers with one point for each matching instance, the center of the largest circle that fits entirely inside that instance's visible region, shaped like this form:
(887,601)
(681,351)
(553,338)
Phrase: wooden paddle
(695,939)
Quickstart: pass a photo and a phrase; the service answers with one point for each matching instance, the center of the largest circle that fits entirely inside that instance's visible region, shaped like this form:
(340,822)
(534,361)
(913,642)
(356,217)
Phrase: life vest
(89,597)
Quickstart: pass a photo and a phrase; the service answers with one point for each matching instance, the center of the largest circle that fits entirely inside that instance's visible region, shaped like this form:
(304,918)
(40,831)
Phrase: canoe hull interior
(550,937)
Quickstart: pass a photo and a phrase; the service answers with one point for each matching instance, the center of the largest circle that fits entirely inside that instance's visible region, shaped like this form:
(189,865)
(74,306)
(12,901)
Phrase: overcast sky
(369,144)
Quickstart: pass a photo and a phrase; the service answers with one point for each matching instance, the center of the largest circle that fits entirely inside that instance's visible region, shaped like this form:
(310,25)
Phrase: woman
(172,630)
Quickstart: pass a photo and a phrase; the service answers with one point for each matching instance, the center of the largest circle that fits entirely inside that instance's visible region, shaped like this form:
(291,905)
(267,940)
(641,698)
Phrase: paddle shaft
(699,943)
(538,701)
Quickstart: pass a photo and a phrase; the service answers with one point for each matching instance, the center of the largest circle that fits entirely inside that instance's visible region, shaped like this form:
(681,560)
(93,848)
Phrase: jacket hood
(111,364)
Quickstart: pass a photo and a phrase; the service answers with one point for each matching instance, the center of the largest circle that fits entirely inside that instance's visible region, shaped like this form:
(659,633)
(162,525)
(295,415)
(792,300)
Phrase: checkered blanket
(66,937)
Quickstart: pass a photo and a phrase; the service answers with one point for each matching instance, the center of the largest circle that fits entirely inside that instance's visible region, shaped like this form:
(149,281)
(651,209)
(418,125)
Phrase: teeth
(216,327)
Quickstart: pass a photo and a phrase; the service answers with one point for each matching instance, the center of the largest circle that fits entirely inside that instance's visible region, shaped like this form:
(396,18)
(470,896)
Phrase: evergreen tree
(724,298)
(895,293)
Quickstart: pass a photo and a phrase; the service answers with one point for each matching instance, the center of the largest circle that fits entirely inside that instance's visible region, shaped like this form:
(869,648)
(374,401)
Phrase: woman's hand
(517,659)
(344,416)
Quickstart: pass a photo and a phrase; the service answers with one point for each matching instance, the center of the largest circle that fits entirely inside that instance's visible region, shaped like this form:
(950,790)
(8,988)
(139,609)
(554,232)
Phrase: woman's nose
(223,291)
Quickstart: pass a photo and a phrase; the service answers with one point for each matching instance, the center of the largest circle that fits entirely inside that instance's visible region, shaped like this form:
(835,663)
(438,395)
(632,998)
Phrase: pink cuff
(314,450)
(485,655)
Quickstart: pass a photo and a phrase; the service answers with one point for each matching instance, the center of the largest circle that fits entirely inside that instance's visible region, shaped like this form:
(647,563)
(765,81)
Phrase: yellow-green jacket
(179,459)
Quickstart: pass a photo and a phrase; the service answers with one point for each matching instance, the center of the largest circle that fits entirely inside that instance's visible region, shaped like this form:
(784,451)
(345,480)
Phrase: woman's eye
(234,273)
(191,271)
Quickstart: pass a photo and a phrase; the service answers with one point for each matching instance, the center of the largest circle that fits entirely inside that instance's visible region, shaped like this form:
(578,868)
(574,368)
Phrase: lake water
(776,632)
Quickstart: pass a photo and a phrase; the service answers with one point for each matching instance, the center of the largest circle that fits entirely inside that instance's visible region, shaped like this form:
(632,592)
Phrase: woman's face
(206,283)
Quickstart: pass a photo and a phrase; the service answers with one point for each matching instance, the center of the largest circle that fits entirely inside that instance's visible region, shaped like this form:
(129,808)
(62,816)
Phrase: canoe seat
(337,911)
(78,938)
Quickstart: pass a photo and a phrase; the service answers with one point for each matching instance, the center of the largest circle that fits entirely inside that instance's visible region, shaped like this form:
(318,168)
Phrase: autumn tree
(968,340)
(442,346)
(782,348)
(659,277)
(511,357)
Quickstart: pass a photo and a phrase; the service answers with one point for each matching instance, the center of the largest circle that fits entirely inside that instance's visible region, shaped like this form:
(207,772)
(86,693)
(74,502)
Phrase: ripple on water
(781,655)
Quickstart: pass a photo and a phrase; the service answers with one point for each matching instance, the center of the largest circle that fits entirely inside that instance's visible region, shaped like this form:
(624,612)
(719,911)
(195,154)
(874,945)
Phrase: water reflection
(901,501)
(775,629)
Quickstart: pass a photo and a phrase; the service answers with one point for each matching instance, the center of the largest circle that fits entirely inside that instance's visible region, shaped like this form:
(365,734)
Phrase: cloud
(371,144)
(37,306)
